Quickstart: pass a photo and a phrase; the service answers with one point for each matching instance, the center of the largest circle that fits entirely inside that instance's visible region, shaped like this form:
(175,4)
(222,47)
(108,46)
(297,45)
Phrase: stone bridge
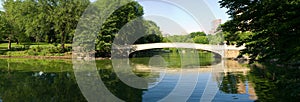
(226,51)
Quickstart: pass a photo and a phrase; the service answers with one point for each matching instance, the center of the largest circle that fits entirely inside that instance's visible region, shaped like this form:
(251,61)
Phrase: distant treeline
(197,37)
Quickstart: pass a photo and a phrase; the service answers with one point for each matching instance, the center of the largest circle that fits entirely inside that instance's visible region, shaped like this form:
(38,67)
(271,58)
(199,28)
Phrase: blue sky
(182,16)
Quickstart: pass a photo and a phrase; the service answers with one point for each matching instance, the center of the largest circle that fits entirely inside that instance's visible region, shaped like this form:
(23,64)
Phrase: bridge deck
(219,49)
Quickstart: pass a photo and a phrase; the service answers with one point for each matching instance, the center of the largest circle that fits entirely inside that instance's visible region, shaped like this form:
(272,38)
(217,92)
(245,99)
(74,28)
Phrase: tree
(42,20)
(201,39)
(64,14)
(5,27)
(114,23)
(11,25)
(238,38)
(151,33)
(194,37)
(275,27)
(194,34)
(216,39)
(37,25)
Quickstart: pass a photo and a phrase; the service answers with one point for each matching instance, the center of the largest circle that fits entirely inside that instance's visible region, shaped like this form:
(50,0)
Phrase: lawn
(4,45)
(13,45)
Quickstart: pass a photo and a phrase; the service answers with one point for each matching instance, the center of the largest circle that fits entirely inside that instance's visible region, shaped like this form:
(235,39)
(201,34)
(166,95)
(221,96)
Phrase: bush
(36,49)
(16,53)
(53,49)
(45,51)
(31,52)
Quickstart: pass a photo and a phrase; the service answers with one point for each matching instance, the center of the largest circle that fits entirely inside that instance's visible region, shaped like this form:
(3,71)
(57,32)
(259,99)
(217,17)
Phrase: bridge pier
(232,51)
(230,54)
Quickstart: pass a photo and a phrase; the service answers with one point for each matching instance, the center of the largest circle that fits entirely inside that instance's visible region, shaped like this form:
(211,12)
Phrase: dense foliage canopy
(273,27)
(52,21)
(126,24)
(55,22)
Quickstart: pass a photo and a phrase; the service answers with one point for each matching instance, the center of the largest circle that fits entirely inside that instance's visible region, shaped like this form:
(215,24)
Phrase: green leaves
(65,16)
(114,22)
(198,37)
(194,34)
(275,27)
(42,20)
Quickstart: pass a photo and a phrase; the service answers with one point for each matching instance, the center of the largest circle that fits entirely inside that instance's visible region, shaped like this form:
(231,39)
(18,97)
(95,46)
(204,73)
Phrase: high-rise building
(215,24)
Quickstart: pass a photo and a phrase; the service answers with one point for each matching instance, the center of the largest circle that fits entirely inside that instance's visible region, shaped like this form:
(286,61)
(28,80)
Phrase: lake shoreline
(49,57)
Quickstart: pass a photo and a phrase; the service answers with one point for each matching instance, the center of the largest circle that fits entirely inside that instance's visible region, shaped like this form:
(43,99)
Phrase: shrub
(36,49)
(53,49)
(16,53)
(31,52)
(46,51)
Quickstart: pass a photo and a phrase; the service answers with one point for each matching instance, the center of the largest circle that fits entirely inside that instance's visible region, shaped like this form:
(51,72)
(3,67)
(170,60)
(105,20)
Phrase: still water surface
(36,80)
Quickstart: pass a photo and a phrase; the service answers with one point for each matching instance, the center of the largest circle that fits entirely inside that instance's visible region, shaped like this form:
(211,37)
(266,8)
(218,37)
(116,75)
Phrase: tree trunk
(9,43)
(63,42)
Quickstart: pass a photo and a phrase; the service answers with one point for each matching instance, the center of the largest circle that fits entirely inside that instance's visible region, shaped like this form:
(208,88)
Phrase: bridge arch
(217,49)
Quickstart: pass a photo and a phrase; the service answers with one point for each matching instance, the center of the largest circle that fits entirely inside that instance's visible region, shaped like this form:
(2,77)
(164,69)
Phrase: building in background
(215,24)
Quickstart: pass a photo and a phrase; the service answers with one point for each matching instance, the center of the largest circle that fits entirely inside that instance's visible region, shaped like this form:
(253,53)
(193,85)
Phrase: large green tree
(37,23)
(11,24)
(64,15)
(4,27)
(275,27)
(114,23)
(105,19)
(150,34)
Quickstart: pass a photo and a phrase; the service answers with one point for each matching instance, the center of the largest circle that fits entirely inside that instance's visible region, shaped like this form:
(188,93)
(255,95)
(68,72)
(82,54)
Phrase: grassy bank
(34,49)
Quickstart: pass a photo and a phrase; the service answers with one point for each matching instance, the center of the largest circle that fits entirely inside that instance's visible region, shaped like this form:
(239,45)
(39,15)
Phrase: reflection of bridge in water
(212,83)
(189,75)
(230,66)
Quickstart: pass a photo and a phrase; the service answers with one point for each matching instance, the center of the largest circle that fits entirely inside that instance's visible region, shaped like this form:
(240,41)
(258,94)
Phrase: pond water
(38,80)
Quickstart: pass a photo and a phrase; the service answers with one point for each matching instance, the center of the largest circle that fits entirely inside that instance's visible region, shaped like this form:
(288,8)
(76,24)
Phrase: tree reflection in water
(53,80)
(280,84)
(265,83)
